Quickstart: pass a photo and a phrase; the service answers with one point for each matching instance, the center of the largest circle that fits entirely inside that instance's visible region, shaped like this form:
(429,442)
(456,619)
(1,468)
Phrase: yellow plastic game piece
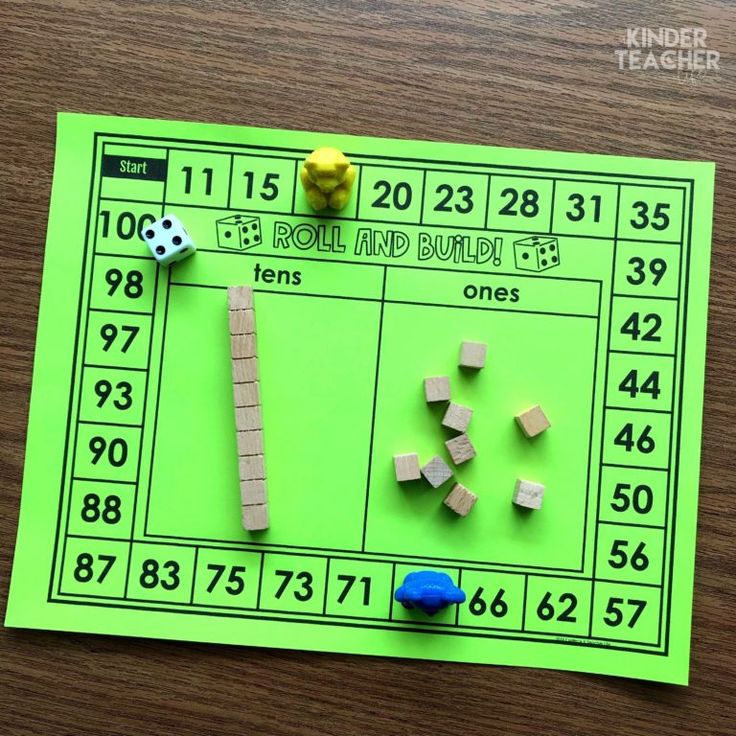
(327,176)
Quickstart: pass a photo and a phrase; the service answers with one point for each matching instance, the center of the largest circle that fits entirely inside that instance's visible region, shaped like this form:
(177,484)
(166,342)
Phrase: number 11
(188,180)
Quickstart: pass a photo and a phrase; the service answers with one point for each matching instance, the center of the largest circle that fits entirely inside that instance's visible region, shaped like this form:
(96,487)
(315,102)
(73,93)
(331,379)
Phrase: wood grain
(511,73)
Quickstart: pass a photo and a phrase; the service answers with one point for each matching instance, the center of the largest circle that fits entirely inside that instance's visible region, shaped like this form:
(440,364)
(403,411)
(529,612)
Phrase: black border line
(354,219)
(277,547)
(554,172)
(75,360)
(379,343)
(301,152)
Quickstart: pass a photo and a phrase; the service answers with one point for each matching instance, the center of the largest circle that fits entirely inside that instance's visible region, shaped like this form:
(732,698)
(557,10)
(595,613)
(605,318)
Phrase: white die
(168,240)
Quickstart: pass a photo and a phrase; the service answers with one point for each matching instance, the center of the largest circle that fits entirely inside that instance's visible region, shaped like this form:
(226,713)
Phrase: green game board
(130,518)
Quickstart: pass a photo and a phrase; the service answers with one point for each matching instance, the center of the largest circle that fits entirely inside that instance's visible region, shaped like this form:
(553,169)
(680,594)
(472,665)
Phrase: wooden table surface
(511,73)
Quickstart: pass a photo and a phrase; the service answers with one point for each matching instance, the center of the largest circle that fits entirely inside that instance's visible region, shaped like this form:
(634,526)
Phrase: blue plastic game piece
(429,591)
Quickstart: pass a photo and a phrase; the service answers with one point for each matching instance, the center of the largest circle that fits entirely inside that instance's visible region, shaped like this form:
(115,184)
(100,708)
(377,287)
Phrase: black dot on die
(166,224)
(542,250)
(160,250)
(238,218)
(256,238)
(554,259)
(149,234)
(544,261)
(552,248)
(176,240)
(525,256)
(535,240)
(246,241)
(228,234)
(244,228)
(255,226)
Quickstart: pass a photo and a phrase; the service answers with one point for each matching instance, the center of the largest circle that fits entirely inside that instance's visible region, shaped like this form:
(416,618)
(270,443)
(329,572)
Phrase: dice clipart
(239,232)
(536,253)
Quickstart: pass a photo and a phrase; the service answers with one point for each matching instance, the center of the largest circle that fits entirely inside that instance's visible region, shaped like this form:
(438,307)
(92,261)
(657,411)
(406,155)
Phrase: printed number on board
(619,611)
(654,216)
(154,574)
(621,555)
(302,589)
(580,208)
(122,338)
(267,188)
(127,225)
(350,581)
(114,452)
(189,174)
(392,196)
(130,283)
(93,568)
(495,605)
(632,386)
(645,328)
(643,443)
(640,498)
(95,508)
(561,610)
(452,199)
(643,271)
(119,394)
(524,203)
(233,583)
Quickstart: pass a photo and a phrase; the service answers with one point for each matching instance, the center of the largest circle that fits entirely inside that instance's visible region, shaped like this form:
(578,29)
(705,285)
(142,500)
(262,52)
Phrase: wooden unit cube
(437,389)
(532,421)
(239,297)
(255,517)
(242,321)
(247,418)
(436,471)
(407,467)
(250,442)
(247,394)
(460,500)
(252,467)
(460,448)
(457,417)
(473,354)
(245,370)
(243,346)
(253,492)
(528,494)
